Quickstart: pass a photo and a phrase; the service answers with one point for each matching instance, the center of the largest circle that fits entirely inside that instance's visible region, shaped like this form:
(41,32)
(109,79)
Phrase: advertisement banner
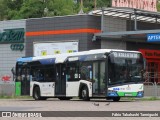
(52,48)
(149,5)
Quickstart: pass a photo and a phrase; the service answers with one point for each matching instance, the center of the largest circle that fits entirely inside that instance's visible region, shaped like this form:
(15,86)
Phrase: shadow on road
(92,100)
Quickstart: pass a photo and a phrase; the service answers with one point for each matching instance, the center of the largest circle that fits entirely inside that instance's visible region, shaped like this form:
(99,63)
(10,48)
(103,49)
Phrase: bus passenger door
(60,85)
(25,83)
(99,79)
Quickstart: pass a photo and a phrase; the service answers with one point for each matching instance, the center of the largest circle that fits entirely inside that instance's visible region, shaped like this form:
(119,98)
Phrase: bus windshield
(125,68)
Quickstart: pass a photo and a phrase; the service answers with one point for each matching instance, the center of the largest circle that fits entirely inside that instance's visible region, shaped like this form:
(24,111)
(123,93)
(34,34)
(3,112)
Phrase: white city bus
(101,73)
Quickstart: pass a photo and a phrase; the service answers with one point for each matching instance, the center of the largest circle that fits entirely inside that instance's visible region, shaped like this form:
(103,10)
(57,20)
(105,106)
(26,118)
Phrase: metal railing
(151,89)
(151,76)
(152,84)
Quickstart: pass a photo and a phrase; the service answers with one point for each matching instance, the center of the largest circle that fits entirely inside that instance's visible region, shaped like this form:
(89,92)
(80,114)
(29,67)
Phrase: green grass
(151,99)
(141,99)
(14,97)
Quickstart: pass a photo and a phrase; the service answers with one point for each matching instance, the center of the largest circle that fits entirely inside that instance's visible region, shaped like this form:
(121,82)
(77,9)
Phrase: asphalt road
(22,105)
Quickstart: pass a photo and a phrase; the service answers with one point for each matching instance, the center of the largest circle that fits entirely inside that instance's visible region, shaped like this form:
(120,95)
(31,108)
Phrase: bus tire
(85,94)
(116,99)
(37,94)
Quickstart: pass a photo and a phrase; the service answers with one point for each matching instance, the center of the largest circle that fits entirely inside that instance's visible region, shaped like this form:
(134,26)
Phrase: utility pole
(95,4)
(81,9)
(45,8)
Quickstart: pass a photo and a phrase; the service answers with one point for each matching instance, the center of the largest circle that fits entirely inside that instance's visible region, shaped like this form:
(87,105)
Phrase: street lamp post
(95,4)
(81,9)
(45,8)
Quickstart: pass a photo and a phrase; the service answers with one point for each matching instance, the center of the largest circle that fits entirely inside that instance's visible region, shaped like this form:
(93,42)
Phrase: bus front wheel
(116,99)
(37,95)
(85,94)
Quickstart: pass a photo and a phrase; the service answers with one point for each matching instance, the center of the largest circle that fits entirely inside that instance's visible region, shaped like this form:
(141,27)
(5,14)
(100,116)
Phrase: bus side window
(73,72)
(39,75)
(86,71)
(49,75)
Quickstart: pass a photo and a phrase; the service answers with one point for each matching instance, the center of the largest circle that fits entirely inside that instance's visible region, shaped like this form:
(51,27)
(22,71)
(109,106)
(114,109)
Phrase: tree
(61,7)
(10,8)
(31,9)
(158,5)
(89,5)
(23,9)
(3,10)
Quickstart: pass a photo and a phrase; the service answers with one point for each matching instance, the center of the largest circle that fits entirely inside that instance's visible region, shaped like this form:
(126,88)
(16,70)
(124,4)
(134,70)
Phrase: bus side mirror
(13,71)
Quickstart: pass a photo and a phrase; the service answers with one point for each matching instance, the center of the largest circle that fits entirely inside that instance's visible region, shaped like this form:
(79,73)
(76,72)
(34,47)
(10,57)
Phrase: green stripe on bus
(127,93)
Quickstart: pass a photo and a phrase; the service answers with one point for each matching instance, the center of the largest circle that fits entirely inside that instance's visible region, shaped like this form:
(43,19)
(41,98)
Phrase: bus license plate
(128,94)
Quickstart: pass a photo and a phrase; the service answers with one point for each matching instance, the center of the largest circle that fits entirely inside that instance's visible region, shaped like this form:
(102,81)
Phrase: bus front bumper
(125,94)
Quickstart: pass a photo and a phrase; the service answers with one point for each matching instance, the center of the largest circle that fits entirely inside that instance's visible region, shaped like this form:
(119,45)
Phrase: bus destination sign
(125,55)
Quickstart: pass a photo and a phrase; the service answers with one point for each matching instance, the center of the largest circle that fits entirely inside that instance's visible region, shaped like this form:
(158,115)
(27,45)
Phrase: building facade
(82,28)
(17,38)
(12,46)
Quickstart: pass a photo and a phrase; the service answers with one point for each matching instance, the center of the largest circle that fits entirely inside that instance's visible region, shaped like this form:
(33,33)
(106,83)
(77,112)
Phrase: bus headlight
(140,94)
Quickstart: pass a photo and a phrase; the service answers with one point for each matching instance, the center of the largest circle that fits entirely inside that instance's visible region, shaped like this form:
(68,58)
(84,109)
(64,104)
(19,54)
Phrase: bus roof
(60,58)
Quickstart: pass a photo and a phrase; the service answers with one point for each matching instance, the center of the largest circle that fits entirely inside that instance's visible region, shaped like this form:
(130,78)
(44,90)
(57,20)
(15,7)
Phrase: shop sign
(153,37)
(17,47)
(149,5)
(12,36)
(150,53)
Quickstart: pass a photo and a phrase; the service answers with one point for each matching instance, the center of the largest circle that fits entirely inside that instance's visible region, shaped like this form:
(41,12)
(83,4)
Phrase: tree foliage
(23,9)
(158,5)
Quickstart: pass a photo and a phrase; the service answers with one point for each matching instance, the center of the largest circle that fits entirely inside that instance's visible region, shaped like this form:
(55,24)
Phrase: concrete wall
(114,25)
(113,44)
(8,57)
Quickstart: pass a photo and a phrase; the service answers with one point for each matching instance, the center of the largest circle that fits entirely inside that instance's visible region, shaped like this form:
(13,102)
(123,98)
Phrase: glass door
(98,78)
(60,84)
(102,78)
(95,78)
(25,83)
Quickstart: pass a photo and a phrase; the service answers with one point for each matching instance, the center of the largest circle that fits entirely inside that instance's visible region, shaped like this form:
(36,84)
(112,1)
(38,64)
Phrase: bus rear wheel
(85,94)
(37,95)
(116,99)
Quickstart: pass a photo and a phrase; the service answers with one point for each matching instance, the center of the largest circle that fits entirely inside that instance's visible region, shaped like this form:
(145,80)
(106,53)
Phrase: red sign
(6,78)
(150,53)
(149,5)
